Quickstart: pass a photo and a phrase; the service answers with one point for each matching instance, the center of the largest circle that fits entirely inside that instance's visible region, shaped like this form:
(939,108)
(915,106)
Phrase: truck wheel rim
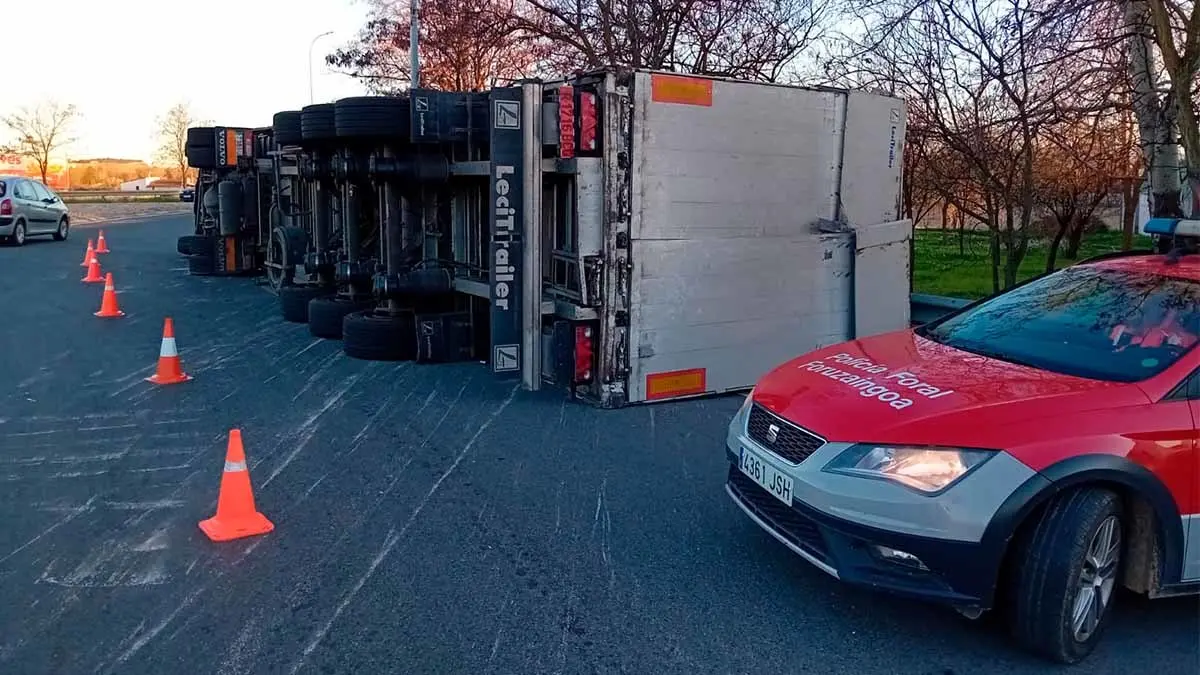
(1097,579)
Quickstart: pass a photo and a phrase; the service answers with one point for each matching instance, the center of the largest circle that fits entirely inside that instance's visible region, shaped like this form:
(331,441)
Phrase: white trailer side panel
(881,265)
(871,161)
(729,275)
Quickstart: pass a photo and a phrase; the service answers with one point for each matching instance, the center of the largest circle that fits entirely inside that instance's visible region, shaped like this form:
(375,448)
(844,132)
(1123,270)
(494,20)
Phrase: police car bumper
(945,547)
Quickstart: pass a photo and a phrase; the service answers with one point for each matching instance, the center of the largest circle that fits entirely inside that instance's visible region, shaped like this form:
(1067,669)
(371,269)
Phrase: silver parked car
(28,208)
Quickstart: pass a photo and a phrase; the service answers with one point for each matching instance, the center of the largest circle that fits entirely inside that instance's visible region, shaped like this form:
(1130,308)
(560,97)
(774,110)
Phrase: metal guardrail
(926,308)
(76,194)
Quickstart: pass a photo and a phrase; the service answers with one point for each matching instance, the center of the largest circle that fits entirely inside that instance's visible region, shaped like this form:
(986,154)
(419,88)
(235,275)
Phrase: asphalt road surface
(428,519)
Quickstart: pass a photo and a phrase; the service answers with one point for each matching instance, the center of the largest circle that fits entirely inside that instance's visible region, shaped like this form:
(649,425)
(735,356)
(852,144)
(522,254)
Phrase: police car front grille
(784,520)
(791,443)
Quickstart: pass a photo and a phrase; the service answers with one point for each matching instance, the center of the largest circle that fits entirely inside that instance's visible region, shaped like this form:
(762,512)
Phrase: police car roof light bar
(1183,234)
(1161,226)
(1173,227)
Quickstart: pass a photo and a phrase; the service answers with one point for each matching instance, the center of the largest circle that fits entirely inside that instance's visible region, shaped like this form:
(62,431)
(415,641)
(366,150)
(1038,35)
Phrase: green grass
(939,269)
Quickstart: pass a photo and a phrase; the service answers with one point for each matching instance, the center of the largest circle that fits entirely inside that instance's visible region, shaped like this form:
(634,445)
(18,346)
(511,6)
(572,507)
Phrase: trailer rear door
(729,275)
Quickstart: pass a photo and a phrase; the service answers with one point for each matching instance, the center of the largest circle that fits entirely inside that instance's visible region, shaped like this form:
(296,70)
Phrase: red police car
(1028,453)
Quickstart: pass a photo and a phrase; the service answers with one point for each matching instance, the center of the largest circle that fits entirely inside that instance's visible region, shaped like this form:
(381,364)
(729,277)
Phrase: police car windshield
(1087,321)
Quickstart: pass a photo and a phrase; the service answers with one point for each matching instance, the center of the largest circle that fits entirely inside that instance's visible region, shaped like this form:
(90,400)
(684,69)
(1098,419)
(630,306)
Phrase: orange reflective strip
(675,383)
(680,89)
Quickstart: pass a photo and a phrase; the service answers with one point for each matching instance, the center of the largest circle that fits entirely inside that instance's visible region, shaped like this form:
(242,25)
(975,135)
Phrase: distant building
(149,184)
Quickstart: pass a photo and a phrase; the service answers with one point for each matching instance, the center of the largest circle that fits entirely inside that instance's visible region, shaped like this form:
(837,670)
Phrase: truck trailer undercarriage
(627,236)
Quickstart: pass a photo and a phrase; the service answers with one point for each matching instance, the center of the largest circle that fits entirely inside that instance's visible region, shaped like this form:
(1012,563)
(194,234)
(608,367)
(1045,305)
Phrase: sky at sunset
(124,64)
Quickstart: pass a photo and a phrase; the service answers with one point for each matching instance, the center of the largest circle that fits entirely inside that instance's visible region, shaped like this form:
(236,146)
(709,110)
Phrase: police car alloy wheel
(1067,577)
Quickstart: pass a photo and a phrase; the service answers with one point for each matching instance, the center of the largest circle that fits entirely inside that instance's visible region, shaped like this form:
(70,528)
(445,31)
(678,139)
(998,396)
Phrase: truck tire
(293,301)
(202,137)
(325,315)
(285,250)
(316,122)
(372,117)
(286,127)
(202,265)
(189,244)
(378,336)
(1070,554)
(201,156)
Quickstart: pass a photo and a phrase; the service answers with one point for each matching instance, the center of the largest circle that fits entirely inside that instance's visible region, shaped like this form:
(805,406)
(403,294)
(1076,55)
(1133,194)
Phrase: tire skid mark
(140,639)
(321,370)
(394,537)
(310,426)
(54,526)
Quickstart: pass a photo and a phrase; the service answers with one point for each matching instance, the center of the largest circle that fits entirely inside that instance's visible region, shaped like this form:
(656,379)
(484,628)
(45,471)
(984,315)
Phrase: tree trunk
(1075,239)
(1052,251)
(1012,250)
(962,234)
(1165,204)
(994,247)
(945,214)
(1155,117)
(1129,205)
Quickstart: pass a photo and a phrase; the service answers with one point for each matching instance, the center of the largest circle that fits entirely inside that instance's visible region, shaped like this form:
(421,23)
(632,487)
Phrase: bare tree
(1081,161)
(747,39)
(920,194)
(465,45)
(172,136)
(41,130)
(985,77)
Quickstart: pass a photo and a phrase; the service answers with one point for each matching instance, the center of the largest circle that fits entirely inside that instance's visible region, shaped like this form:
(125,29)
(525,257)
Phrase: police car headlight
(922,468)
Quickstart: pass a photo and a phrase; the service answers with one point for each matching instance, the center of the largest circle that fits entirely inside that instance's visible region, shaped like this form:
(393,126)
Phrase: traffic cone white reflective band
(168,348)
(234,467)
(108,285)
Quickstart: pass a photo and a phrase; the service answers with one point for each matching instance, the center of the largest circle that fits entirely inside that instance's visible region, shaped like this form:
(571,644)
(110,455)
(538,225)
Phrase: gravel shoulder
(88,213)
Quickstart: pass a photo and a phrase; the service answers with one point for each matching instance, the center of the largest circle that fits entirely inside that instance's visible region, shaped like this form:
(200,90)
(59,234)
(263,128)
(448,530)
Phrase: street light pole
(414,36)
(310,68)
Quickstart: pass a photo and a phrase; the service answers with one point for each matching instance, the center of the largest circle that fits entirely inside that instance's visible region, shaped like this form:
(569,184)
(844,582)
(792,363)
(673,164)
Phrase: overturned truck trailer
(649,236)
(627,236)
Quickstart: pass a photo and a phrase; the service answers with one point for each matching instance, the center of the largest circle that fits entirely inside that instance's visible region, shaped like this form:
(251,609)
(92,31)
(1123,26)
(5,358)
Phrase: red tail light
(587,121)
(6,207)
(583,353)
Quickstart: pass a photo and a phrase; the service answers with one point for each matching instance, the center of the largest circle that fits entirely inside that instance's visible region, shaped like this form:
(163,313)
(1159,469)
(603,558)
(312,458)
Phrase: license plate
(765,475)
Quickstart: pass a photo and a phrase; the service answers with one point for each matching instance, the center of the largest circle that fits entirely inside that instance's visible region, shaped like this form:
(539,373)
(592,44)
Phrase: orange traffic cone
(87,257)
(101,245)
(236,516)
(108,304)
(93,273)
(169,370)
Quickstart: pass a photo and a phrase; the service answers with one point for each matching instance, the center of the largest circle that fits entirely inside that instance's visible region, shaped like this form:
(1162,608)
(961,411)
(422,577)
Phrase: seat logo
(772,433)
